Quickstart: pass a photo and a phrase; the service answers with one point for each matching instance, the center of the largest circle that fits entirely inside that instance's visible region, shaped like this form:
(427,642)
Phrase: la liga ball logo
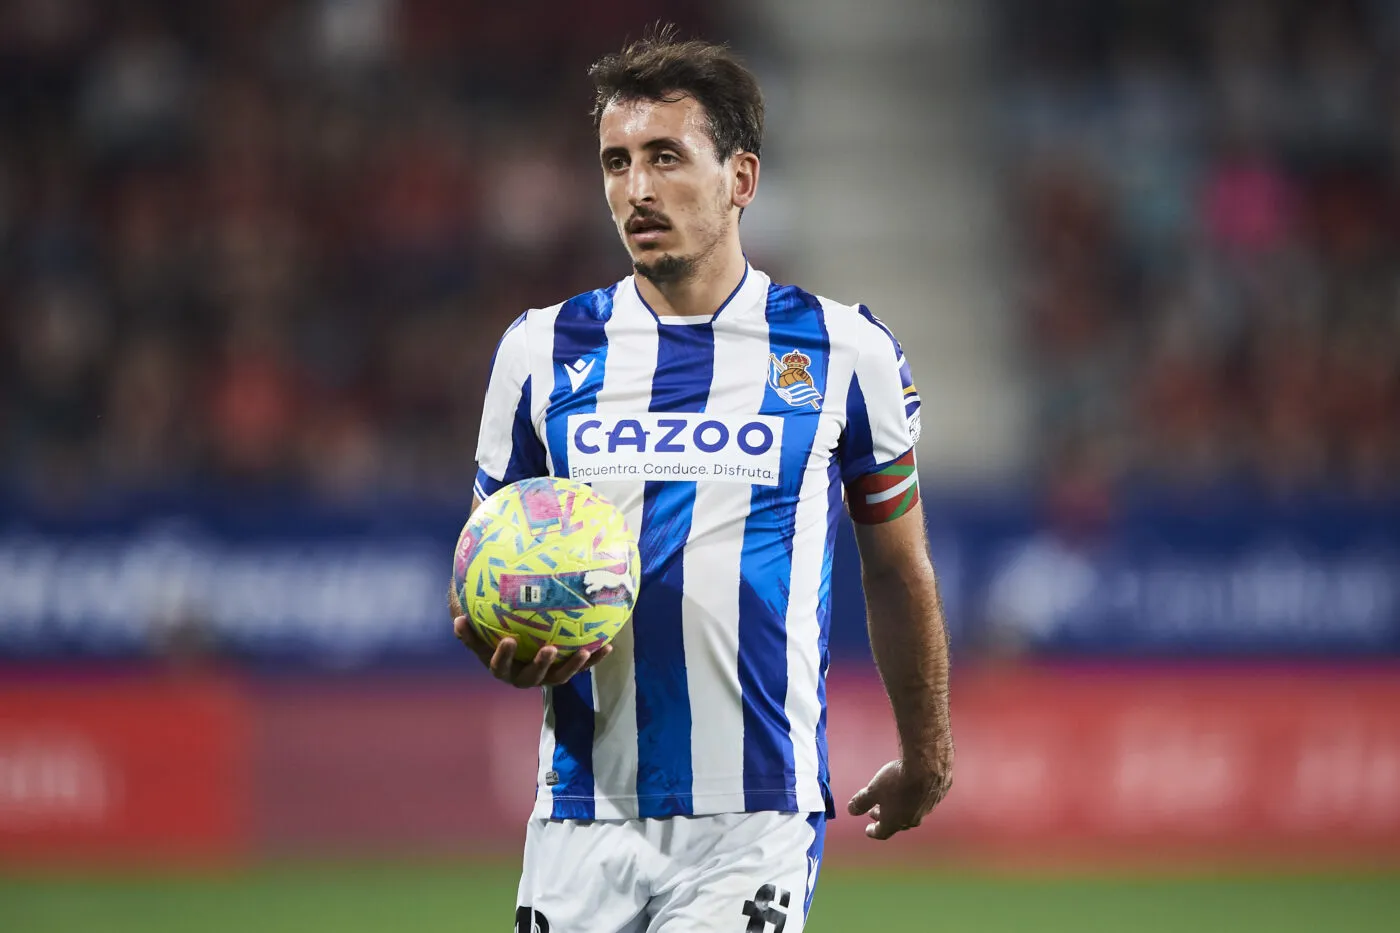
(466,547)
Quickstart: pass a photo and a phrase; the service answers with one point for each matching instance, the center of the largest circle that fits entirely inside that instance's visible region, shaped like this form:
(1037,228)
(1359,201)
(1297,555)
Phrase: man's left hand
(900,794)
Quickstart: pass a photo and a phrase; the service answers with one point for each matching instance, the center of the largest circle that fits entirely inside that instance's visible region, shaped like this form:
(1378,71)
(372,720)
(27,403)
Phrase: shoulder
(797,300)
(535,326)
(595,305)
(849,325)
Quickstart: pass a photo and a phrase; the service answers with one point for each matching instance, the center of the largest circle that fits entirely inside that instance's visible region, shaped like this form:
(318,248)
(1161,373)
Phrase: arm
(907,634)
(910,643)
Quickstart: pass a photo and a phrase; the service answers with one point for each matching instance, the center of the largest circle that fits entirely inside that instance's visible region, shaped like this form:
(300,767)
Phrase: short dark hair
(658,66)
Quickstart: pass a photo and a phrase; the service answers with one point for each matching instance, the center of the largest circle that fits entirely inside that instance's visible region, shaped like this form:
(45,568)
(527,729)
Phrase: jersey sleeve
(508,448)
(882,425)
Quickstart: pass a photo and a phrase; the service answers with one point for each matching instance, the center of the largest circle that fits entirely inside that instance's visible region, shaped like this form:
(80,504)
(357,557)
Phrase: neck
(702,293)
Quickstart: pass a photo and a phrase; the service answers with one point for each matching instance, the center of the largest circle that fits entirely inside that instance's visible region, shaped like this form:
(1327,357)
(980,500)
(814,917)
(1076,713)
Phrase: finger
(563,671)
(875,813)
(467,635)
(501,660)
(598,655)
(863,800)
(881,830)
(534,673)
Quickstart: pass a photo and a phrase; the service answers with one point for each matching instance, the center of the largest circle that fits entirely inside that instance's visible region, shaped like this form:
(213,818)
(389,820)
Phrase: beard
(670,269)
(666,270)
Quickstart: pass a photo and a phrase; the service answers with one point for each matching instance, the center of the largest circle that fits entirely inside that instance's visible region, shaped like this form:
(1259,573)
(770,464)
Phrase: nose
(639,185)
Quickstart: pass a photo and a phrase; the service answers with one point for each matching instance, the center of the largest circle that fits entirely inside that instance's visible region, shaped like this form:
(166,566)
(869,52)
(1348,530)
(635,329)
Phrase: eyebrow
(651,145)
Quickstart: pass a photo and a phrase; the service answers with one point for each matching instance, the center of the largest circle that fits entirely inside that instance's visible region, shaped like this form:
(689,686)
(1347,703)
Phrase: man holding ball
(683,781)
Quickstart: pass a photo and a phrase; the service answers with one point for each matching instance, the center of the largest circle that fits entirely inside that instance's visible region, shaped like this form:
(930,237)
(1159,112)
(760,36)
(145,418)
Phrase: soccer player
(683,780)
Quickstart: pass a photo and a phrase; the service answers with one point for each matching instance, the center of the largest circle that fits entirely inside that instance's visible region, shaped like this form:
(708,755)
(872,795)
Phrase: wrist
(930,752)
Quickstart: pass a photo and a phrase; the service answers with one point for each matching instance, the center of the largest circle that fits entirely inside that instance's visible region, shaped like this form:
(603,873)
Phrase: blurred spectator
(1206,195)
(276,242)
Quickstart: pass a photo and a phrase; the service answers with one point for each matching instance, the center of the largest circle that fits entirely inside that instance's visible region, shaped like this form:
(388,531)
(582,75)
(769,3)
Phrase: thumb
(467,635)
(863,800)
(462,628)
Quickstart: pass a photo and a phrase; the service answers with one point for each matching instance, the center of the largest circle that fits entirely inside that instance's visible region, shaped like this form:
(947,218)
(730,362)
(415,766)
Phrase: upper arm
(896,549)
(882,424)
(509,448)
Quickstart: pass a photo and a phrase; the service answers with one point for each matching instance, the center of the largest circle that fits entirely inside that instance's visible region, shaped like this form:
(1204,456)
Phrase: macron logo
(578,371)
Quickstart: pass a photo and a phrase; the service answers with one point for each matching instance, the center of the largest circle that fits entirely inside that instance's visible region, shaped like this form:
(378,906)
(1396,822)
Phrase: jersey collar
(751,290)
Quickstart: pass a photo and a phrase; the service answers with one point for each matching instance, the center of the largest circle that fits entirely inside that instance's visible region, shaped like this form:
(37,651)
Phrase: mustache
(645,217)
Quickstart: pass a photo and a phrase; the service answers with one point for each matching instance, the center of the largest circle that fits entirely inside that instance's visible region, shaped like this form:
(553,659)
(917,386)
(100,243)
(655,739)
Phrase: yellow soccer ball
(547,561)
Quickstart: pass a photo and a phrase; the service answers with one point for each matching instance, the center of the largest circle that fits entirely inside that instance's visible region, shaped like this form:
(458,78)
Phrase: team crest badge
(789,378)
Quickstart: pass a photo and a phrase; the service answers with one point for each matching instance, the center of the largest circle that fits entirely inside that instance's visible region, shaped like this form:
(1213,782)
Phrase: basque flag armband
(886,494)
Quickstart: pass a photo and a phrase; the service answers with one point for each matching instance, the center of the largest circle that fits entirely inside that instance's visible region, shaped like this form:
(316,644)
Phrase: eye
(614,164)
(666,158)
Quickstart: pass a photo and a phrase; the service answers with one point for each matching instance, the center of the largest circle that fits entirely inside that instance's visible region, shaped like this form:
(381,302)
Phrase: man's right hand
(546,670)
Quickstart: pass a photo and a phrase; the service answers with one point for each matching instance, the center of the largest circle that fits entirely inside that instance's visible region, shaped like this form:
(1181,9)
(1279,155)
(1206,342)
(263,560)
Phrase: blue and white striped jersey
(727,444)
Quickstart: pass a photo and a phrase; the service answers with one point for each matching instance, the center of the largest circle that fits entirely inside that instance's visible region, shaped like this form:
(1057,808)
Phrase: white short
(726,873)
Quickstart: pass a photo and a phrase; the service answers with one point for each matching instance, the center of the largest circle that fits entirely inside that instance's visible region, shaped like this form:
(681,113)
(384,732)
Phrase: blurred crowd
(274,242)
(1205,201)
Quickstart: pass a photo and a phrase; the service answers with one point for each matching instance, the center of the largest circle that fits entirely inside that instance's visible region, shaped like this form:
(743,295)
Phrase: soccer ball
(547,561)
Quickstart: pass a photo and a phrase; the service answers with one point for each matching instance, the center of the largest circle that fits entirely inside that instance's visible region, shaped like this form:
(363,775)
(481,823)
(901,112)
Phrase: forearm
(909,639)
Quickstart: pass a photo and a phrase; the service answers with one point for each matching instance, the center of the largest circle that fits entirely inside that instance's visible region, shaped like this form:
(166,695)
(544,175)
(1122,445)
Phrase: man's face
(671,198)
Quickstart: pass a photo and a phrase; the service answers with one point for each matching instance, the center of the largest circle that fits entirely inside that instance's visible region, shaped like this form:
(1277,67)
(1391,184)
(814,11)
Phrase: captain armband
(886,494)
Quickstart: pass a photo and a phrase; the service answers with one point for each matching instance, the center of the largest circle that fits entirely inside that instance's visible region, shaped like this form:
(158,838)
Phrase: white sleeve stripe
(504,391)
(879,368)
(885,495)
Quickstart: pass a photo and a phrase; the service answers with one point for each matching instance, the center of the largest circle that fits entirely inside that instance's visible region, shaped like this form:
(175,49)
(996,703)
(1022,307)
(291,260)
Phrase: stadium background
(255,255)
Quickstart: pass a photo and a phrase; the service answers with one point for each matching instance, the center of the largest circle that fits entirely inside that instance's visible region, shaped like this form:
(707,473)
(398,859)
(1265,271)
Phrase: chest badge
(789,378)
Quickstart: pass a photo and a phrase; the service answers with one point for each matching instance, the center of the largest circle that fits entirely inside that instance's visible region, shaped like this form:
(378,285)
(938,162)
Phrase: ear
(744,165)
